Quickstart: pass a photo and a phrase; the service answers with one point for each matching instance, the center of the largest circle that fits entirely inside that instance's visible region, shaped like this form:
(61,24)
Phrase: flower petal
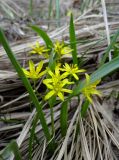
(57,72)
(80,71)
(45,81)
(87,78)
(66,50)
(49,86)
(96,92)
(75,76)
(37,45)
(41,74)
(31,67)
(39,67)
(89,98)
(49,94)
(27,73)
(61,96)
(50,73)
(32,52)
(64,75)
(67,67)
(66,90)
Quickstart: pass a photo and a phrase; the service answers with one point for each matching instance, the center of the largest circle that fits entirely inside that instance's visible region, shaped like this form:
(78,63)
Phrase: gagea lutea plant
(61,80)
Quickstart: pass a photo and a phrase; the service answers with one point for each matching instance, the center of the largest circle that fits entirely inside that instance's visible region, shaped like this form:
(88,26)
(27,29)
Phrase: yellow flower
(56,84)
(41,50)
(90,89)
(34,72)
(60,49)
(72,70)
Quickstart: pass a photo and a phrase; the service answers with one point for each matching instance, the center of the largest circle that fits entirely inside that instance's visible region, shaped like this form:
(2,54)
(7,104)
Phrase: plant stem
(52,120)
(84,108)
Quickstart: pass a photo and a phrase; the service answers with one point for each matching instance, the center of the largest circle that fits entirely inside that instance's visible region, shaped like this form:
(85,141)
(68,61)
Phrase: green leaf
(73,40)
(109,48)
(64,118)
(11,148)
(44,35)
(26,83)
(32,134)
(52,61)
(50,9)
(98,74)
(84,108)
(57,12)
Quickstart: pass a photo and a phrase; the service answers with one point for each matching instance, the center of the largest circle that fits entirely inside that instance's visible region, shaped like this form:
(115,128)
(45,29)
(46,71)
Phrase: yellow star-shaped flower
(60,49)
(56,84)
(34,72)
(90,89)
(72,70)
(40,49)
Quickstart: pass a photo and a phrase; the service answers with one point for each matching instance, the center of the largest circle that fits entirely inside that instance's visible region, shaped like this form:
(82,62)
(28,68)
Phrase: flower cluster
(59,48)
(62,76)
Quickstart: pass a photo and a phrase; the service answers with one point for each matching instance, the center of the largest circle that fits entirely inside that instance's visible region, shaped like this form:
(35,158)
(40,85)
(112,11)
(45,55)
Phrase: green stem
(84,108)
(52,120)
(51,103)
(32,133)
(11,147)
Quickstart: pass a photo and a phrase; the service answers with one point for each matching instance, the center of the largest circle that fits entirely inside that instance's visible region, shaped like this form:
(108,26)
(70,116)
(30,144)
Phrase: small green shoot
(73,41)
(64,118)
(11,148)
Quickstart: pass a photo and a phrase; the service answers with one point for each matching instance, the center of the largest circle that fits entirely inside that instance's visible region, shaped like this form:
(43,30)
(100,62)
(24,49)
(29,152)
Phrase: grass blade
(50,10)
(26,83)
(12,147)
(109,48)
(58,13)
(73,40)
(44,35)
(64,118)
(32,133)
(84,108)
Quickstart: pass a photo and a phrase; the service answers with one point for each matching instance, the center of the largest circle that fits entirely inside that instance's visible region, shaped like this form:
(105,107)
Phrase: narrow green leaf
(44,35)
(26,83)
(57,12)
(73,40)
(84,108)
(98,74)
(50,9)
(32,134)
(109,48)
(11,148)
(64,118)
(52,61)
